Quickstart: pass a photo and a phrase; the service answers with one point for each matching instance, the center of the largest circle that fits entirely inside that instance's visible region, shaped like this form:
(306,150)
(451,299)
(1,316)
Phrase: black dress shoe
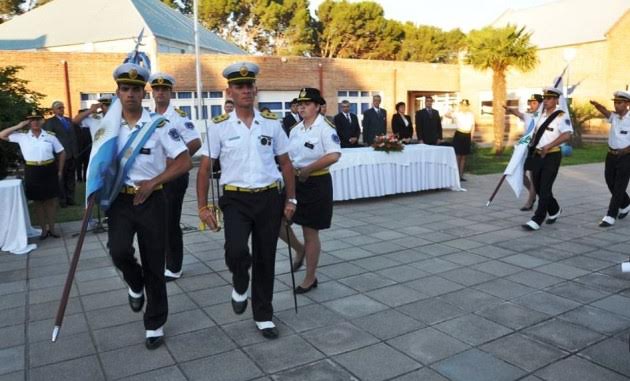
(43,236)
(302,290)
(270,333)
(621,216)
(54,235)
(526,209)
(604,224)
(462,179)
(154,342)
(136,303)
(239,307)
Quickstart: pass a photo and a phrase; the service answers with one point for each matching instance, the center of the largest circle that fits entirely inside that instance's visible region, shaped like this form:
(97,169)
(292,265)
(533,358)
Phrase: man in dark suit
(347,125)
(62,127)
(291,118)
(374,121)
(429,124)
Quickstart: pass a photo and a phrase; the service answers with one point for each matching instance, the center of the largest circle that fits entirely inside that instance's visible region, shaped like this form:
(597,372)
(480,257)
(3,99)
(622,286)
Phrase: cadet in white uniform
(41,173)
(617,169)
(313,147)
(162,87)
(91,118)
(247,143)
(552,129)
(141,205)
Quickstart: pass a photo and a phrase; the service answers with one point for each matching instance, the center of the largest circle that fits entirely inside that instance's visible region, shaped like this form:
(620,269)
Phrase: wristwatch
(292,201)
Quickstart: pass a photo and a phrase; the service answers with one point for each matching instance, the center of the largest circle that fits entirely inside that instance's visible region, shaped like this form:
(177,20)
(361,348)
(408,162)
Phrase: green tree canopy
(430,44)
(500,49)
(357,30)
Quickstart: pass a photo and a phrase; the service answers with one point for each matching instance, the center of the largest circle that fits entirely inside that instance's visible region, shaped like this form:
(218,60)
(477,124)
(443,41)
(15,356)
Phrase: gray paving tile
(424,374)
(293,349)
(615,303)
(12,336)
(15,376)
(402,273)
(577,369)
(219,367)
(376,362)
(67,347)
(471,300)
(84,368)
(375,263)
(41,330)
(576,292)
(497,268)
(434,285)
(170,373)
(562,270)
(309,317)
(512,315)
(223,313)
(597,319)
(187,321)
(524,260)
(604,282)
(12,316)
(11,359)
(472,329)
(534,279)
(341,270)
(246,333)
(133,360)
(48,310)
(467,276)
(523,352)
(396,295)
(435,265)
(427,345)
(611,353)
(355,306)
(565,335)
(339,338)
(474,365)
(119,336)
(504,288)
(431,311)
(547,303)
(367,281)
(324,370)
(387,324)
(197,344)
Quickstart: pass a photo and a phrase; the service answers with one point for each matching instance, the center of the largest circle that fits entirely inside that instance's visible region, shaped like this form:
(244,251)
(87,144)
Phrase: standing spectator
(374,121)
(61,126)
(465,121)
(85,143)
(228,107)
(291,118)
(347,125)
(401,123)
(41,172)
(429,124)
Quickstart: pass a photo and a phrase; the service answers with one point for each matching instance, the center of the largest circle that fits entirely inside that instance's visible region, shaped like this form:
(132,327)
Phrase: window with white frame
(278,102)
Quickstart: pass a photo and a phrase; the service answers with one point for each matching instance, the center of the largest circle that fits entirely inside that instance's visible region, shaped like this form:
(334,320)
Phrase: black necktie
(349,120)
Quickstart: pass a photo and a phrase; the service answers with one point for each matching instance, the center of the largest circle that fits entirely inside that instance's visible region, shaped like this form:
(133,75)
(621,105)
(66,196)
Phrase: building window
(360,100)
(186,109)
(216,110)
(184,95)
(216,94)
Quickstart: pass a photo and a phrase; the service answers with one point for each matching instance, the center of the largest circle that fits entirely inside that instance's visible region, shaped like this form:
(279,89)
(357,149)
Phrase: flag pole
(496,190)
(73,267)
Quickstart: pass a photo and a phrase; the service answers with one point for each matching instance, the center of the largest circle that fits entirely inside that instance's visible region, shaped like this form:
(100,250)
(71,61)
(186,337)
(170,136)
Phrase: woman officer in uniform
(313,147)
(41,174)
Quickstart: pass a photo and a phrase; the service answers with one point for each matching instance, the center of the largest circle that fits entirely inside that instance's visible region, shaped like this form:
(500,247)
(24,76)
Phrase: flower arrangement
(388,143)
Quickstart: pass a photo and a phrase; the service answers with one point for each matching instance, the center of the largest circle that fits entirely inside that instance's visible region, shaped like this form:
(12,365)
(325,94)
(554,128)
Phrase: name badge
(309,145)
(623,132)
(265,140)
(145,151)
(549,129)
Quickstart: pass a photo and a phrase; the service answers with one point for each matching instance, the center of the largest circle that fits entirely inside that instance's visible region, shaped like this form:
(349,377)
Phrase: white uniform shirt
(92,122)
(527,119)
(34,148)
(619,136)
(151,160)
(560,125)
(307,145)
(247,154)
(184,126)
(464,120)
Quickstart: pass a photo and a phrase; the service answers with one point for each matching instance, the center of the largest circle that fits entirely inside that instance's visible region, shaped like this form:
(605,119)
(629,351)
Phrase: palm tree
(500,49)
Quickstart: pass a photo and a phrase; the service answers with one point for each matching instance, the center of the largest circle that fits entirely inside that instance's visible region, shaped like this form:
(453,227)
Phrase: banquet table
(364,172)
(15,223)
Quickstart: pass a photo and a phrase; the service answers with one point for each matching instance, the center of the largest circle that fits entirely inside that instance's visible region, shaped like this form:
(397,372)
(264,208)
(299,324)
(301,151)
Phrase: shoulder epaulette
(181,113)
(269,115)
(51,133)
(162,123)
(221,118)
(329,122)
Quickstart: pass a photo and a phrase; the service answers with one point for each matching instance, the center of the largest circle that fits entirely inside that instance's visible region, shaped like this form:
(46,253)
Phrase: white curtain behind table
(15,223)
(363,172)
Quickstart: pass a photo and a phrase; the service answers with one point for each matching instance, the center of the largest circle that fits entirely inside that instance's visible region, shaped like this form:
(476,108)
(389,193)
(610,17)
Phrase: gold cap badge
(243,70)
(133,74)
(303,93)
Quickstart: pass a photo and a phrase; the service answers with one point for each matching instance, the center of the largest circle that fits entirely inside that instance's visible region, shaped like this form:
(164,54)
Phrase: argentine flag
(102,168)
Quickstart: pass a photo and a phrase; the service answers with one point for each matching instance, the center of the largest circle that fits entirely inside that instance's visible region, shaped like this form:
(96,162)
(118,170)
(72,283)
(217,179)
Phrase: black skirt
(41,182)
(461,143)
(315,202)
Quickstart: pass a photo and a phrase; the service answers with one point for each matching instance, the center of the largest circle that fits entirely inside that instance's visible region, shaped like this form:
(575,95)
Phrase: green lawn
(483,161)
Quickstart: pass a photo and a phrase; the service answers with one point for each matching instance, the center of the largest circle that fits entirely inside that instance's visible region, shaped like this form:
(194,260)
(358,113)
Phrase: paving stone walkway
(425,286)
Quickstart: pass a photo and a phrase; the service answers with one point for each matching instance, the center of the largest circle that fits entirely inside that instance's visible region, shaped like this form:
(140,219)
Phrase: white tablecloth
(363,172)
(15,224)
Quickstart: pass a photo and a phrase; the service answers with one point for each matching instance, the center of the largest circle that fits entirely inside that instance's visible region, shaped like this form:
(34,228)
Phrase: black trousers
(258,215)
(148,220)
(544,172)
(68,182)
(175,192)
(81,166)
(617,174)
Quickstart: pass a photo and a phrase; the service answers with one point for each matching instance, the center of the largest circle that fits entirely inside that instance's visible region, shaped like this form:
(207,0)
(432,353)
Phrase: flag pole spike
(55,333)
